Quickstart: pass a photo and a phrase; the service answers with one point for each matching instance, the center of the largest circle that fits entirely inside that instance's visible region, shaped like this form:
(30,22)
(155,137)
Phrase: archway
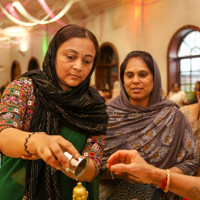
(15,70)
(107,66)
(33,64)
(173,61)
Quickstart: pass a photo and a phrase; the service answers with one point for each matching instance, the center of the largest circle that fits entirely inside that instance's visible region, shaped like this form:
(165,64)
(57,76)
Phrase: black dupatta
(80,108)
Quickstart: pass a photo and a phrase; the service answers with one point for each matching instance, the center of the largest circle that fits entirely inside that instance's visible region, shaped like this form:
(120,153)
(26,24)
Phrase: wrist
(29,144)
(156,175)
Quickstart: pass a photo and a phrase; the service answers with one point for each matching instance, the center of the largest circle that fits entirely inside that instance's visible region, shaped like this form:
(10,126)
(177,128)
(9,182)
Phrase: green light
(44,44)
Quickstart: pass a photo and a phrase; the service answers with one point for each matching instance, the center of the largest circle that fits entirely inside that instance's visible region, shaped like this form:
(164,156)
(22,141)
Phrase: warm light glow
(14,31)
(14,4)
(23,47)
(136,13)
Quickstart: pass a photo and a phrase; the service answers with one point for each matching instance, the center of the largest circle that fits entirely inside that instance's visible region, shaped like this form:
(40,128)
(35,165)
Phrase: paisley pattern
(159,132)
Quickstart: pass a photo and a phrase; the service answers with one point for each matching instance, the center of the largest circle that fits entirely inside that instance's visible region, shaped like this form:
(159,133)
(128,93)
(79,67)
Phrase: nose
(78,65)
(136,79)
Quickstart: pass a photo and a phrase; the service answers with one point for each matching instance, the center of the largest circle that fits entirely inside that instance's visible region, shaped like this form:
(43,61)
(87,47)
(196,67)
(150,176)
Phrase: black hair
(176,83)
(146,57)
(194,99)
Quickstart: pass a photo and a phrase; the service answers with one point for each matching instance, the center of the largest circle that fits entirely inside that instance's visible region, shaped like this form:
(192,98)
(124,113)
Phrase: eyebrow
(137,71)
(77,52)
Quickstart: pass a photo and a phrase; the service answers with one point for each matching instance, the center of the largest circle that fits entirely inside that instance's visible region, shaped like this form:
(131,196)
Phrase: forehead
(137,64)
(81,45)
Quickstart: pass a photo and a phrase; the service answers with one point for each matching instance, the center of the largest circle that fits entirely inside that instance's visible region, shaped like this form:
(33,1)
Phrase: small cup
(76,167)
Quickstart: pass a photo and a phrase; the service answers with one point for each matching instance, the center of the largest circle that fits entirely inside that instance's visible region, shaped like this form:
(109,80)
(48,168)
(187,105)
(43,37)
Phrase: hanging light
(35,21)
(14,31)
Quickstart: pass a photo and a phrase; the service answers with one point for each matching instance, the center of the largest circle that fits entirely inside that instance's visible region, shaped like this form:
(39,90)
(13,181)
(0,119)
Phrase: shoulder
(22,82)
(184,109)
(182,93)
(22,86)
(194,108)
(182,117)
(180,113)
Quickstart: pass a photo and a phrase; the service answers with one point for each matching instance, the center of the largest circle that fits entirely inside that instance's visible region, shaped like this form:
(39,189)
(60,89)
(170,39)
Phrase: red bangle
(165,183)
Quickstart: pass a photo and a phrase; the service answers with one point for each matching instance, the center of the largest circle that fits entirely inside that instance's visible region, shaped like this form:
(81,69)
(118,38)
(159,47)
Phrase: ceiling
(78,10)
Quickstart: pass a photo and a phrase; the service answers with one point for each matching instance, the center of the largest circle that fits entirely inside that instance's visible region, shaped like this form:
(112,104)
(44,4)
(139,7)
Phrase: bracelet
(26,139)
(111,172)
(168,181)
(165,183)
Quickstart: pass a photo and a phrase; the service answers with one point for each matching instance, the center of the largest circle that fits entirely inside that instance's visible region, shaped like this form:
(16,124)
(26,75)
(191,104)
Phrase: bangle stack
(165,183)
(26,141)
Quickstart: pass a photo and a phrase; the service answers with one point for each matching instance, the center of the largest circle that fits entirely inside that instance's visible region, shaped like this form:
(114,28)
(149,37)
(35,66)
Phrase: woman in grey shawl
(140,118)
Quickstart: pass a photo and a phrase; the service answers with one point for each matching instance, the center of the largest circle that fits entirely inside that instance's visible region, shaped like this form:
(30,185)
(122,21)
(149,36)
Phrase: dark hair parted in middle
(64,34)
(146,57)
(75,31)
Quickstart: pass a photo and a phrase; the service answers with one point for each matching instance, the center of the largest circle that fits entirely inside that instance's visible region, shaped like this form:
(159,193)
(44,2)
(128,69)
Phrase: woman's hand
(131,162)
(50,148)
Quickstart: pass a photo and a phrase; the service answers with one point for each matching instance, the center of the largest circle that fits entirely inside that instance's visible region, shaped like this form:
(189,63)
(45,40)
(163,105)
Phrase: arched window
(15,70)
(107,66)
(189,57)
(184,59)
(33,64)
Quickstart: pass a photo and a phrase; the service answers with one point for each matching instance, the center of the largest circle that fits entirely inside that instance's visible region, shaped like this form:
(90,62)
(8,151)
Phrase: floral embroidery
(17,108)
(8,115)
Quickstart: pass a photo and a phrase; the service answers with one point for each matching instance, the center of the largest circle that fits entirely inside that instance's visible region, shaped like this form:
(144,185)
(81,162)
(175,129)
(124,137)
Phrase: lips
(75,76)
(136,90)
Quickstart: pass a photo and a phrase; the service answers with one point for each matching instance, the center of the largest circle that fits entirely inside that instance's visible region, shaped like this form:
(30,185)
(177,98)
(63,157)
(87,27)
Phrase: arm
(94,150)
(37,145)
(46,147)
(183,185)
(14,117)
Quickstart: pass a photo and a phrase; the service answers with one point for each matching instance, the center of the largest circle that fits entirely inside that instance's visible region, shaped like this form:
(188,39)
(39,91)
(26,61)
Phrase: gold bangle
(168,181)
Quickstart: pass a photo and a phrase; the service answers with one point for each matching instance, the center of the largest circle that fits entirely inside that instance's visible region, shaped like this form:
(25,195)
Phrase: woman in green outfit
(44,113)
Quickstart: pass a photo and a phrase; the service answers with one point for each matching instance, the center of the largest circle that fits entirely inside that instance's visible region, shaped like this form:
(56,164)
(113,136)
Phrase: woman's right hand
(51,149)
(131,162)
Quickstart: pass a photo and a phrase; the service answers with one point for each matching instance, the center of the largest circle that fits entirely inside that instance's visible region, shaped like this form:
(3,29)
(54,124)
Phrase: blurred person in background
(177,96)
(192,113)
(196,89)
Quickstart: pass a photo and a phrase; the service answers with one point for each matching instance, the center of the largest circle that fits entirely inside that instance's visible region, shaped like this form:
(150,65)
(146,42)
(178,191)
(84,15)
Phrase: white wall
(161,21)
(5,61)
(128,27)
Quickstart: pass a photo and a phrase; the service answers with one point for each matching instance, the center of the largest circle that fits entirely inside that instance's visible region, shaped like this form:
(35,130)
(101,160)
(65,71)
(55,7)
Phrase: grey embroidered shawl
(160,132)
